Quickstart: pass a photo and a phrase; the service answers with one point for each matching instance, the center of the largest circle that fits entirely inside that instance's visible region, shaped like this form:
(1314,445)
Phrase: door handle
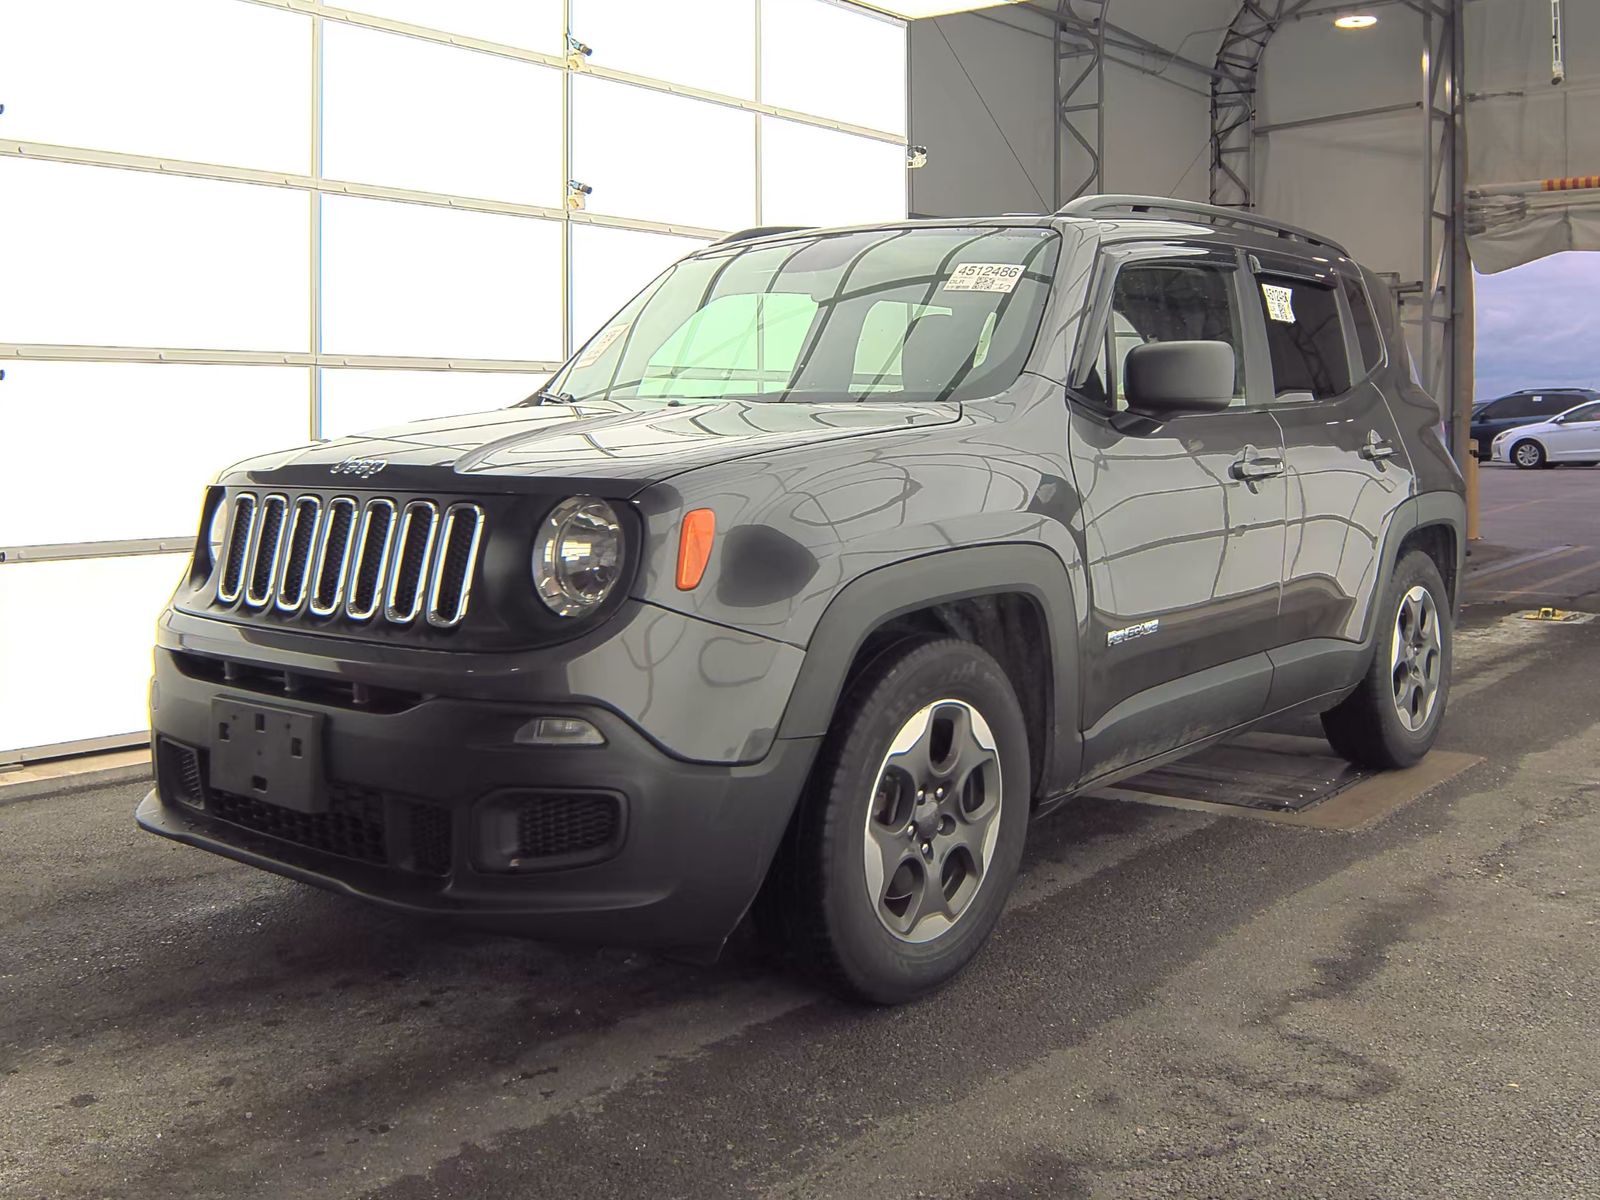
(1250,469)
(1376,448)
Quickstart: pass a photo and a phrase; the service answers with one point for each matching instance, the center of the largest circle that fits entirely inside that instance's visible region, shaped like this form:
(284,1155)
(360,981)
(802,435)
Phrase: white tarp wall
(1521,129)
(1361,180)
(976,76)
(231,225)
(981,80)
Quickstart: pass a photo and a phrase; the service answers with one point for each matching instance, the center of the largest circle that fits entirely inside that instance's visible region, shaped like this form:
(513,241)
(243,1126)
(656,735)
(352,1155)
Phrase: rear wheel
(907,843)
(1529,455)
(1393,716)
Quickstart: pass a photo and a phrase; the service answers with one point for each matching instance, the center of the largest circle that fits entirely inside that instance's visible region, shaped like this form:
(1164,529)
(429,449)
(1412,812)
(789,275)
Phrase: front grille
(241,529)
(552,824)
(294,581)
(363,560)
(360,824)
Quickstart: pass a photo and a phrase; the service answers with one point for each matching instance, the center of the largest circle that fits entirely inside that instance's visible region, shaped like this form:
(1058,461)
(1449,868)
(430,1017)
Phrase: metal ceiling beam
(1119,38)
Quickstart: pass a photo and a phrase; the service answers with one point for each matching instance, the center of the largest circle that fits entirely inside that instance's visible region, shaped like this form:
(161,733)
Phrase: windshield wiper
(550,398)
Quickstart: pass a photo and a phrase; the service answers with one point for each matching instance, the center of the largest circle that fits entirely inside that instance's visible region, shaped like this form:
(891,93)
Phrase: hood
(607,446)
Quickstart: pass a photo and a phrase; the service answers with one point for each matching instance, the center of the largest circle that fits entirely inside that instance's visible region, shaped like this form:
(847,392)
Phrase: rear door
(1182,524)
(1347,470)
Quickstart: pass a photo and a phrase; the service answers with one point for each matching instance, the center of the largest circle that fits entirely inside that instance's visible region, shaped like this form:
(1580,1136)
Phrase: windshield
(892,314)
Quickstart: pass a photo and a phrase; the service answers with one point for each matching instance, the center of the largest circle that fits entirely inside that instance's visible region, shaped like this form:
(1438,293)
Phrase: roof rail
(1137,206)
(756,231)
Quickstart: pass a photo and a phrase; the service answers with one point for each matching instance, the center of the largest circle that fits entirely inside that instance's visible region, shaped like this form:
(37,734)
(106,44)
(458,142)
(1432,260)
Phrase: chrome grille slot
(397,560)
(408,580)
(294,580)
(455,560)
(374,548)
(241,530)
(334,546)
(265,555)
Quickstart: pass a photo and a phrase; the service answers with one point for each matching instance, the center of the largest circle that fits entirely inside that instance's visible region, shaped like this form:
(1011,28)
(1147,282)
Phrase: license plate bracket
(268,753)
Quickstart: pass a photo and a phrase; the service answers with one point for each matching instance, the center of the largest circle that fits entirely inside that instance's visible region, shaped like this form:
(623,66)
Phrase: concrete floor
(1176,1004)
(1541,537)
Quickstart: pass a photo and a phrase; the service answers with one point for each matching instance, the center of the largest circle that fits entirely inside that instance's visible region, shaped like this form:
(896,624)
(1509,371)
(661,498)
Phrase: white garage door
(231,225)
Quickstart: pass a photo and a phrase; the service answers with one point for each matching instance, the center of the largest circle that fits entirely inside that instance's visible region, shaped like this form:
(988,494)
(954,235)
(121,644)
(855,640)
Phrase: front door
(1182,525)
(1576,438)
(1347,468)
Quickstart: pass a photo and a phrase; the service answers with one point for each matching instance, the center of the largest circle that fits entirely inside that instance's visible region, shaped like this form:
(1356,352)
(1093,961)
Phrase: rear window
(1366,324)
(1304,337)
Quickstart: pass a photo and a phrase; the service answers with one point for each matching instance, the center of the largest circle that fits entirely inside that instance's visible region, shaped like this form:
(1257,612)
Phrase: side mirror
(1170,379)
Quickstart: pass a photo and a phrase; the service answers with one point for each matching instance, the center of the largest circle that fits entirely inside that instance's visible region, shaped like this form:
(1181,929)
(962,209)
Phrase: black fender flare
(879,596)
(1422,511)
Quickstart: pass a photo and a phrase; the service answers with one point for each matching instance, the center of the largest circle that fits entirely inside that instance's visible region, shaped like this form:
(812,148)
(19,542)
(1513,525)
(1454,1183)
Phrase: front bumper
(693,846)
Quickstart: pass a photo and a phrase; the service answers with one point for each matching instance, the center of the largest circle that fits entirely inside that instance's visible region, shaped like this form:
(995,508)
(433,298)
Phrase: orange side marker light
(694,547)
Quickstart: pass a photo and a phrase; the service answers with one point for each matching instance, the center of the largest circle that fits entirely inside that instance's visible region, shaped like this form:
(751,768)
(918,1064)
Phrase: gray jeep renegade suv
(832,560)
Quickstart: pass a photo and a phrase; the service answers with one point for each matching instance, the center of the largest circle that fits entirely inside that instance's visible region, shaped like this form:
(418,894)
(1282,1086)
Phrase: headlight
(577,557)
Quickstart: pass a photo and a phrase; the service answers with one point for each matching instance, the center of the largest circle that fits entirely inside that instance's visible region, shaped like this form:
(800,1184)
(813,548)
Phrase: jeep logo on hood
(364,468)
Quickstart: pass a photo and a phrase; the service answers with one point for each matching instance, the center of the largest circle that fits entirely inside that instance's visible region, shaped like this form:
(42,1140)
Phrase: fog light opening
(559,731)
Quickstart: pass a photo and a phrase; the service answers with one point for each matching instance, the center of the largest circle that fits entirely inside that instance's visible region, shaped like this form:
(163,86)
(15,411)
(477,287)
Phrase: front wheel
(1528,455)
(911,832)
(1393,716)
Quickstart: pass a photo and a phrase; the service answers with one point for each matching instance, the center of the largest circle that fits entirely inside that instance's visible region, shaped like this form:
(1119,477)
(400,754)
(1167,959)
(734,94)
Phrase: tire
(1391,719)
(884,940)
(1529,455)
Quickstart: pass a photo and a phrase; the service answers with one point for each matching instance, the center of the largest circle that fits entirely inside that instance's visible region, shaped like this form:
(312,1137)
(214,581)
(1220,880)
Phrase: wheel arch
(1014,601)
(1521,440)
(1436,523)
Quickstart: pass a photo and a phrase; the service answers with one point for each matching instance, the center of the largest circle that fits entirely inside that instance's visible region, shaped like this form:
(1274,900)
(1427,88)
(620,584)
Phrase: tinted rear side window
(1513,407)
(1366,324)
(1304,336)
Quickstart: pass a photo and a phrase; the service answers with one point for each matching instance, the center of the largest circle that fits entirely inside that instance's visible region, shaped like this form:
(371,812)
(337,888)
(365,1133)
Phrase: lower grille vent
(361,824)
(554,825)
(348,830)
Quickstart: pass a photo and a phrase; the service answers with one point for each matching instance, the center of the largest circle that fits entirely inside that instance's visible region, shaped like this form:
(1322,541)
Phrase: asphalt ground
(1177,1003)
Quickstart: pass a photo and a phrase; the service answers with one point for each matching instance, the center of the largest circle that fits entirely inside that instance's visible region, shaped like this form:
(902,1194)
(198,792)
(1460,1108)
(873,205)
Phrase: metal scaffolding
(1233,98)
(1445,299)
(1080,39)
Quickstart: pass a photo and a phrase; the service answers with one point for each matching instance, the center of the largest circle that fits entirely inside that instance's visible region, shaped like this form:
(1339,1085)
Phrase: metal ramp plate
(1271,771)
(1288,780)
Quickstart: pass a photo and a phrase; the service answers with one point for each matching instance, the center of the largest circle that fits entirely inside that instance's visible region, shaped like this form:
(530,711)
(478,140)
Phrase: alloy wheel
(1528,455)
(1416,659)
(932,821)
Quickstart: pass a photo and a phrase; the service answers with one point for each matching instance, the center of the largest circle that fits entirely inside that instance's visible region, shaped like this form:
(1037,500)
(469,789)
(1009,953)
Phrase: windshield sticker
(602,343)
(1280,303)
(983,277)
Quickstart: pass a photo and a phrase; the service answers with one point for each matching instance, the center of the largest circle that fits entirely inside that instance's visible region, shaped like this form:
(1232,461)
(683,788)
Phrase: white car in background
(1570,437)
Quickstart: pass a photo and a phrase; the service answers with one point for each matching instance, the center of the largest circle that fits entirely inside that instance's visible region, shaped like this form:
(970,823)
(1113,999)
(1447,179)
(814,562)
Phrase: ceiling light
(1355,21)
(912,9)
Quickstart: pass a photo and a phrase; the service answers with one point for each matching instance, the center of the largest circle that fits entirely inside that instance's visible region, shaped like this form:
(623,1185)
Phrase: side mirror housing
(1170,379)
